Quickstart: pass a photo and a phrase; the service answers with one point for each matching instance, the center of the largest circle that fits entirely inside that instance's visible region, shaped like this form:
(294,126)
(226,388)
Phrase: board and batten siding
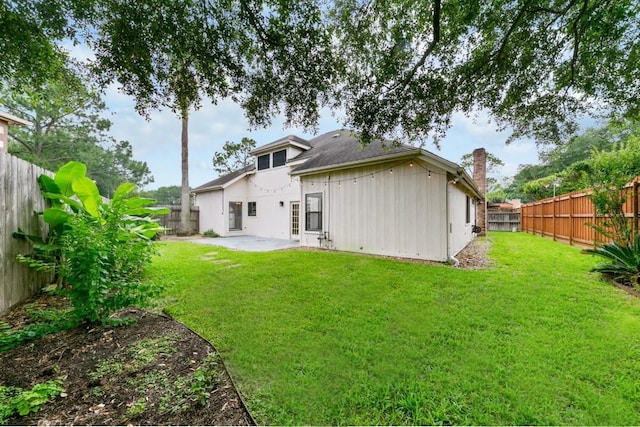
(392,210)
(20,200)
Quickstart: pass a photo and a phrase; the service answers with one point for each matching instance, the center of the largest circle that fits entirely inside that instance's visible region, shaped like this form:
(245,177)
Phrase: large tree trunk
(184,229)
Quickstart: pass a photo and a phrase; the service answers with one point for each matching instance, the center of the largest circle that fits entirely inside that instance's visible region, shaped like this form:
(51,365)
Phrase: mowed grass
(316,337)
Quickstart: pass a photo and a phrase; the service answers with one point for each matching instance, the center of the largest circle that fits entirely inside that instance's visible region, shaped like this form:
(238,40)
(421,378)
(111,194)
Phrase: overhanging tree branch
(428,51)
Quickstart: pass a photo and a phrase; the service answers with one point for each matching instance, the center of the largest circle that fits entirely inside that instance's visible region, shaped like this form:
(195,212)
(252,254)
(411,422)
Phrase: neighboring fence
(503,220)
(172,220)
(20,200)
(567,218)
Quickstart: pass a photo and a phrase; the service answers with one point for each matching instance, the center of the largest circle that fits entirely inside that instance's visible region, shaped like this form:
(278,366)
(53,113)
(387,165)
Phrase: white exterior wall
(268,188)
(236,192)
(460,232)
(211,211)
(396,214)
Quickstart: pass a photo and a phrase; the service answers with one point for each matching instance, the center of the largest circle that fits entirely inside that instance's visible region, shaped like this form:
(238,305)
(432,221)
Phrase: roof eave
(207,189)
(278,144)
(13,120)
(358,163)
(225,185)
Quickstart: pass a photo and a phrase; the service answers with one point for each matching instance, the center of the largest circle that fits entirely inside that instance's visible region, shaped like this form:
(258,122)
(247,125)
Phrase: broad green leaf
(55,216)
(48,185)
(136,202)
(148,211)
(67,174)
(123,190)
(21,235)
(88,193)
(74,204)
(46,247)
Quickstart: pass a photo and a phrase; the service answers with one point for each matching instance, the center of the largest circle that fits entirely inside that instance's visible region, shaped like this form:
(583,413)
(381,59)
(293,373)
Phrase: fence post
(554,217)
(571,219)
(595,222)
(634,223)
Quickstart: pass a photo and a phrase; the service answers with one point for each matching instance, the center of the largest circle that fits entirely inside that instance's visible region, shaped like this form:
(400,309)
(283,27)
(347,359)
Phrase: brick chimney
(480,179)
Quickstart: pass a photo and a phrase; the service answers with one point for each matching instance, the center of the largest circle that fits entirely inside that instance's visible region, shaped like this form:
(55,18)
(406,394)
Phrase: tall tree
(234,156)
(397,69)
(68,124)
(535,65)
(270,56)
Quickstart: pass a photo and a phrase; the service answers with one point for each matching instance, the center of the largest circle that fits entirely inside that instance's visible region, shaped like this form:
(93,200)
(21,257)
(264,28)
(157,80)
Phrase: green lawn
(331,338)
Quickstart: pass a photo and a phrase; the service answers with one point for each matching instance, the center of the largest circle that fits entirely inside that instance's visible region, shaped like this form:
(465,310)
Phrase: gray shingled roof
(342,146)
(220,181)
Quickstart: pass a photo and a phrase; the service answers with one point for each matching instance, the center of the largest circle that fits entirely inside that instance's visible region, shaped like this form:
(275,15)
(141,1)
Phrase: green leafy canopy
(398,69)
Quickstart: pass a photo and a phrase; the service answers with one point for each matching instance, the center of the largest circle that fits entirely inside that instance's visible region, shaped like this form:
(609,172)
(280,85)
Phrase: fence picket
(20,199)
(571,215)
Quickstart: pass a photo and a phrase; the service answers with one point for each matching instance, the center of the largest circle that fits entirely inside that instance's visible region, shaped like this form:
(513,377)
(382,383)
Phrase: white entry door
(295,220)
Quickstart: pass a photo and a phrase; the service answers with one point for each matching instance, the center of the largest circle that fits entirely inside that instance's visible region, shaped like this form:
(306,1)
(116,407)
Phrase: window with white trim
(313,212)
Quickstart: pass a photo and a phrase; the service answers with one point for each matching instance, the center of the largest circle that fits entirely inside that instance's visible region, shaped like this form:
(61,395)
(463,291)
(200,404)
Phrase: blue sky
(157,141)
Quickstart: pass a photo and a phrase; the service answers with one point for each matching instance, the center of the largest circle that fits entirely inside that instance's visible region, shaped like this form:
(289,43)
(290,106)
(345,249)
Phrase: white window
(313,212)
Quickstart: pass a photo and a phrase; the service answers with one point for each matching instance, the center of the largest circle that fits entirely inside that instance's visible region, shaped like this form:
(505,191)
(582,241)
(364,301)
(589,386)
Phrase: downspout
(447,219)
(450,257)
(328,211)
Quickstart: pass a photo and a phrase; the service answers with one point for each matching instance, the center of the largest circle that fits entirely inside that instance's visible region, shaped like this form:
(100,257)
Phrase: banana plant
(70,192)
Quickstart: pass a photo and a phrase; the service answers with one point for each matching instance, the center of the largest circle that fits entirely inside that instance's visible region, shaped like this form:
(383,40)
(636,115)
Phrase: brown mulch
(141,374)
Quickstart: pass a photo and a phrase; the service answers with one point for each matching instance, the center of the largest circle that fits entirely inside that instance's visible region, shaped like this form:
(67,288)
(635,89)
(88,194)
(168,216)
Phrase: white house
(329,192)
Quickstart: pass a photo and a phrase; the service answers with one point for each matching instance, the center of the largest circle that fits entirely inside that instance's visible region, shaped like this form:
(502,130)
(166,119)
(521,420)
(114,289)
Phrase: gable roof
(342,147)
(296,141)
(221,181)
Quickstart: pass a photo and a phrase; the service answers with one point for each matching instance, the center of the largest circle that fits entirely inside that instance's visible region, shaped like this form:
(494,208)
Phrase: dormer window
(279,158)
(263,162)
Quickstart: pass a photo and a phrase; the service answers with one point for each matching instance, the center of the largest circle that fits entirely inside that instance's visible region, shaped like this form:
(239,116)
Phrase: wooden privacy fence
(503,220)
(171,221)
(20,200)
(568,217)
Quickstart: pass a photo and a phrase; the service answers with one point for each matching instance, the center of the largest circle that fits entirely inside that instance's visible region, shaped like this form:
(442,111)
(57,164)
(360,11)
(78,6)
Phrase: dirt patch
(152,372)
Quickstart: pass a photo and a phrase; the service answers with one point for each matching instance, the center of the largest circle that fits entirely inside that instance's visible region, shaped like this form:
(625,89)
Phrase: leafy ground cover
(152,372)
(316,337)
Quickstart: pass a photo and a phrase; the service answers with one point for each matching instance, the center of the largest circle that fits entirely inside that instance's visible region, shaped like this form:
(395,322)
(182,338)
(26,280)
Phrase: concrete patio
(248,243)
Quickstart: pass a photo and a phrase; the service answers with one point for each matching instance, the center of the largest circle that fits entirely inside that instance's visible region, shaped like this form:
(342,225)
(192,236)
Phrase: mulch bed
(140,374)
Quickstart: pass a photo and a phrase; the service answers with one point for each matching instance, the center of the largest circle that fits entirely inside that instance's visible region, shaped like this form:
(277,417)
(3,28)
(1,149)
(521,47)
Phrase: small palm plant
(622,261)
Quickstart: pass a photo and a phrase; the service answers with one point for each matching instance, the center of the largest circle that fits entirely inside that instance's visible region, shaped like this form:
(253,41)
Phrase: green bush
(623,261)
(97,249)
(210,233)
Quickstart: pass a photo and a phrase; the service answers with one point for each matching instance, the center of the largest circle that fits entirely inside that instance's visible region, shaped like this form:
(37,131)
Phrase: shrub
(623,261)
(98,249)
(210,233)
